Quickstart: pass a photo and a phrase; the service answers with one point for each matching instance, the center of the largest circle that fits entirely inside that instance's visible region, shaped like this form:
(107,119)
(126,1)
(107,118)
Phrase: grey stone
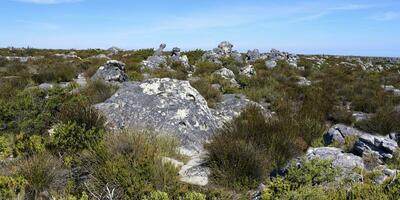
(367,143)
(112,71)
(166,106)
(231,106)
(225,73)
(226,48)
(345,161)
(100,56)
(248,71)
(159,51)
(154,62)
(253,55)
(237,56)
(195,172)
(270,64)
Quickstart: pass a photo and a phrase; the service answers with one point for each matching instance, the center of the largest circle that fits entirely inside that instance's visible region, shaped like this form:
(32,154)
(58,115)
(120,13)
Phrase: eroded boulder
(112,71)
(166,106)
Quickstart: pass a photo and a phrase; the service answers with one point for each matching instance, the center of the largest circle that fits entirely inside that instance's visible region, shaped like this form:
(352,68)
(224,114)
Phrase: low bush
(130,163)
(71,138)
(83,114)
(11,188)
(203,86)
(384,122)
(42,172)
(98,91)
(244,152)
(205,68)
(311,172)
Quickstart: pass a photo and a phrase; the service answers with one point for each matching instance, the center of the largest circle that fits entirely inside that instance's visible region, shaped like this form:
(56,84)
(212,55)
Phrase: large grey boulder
(159,51)
(275,55)
(166,106)
(112,71)
(154,62)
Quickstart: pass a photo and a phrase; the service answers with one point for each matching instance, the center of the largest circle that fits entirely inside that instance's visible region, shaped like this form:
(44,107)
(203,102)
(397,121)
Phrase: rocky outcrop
(225,73)
(381,146)
(253,55)
(391,89)
(166,106)
(158,60)
(70,55)
(224,50)
(22,58)
(248,71)
(345,161)
(274,55)
(100,56)
(112,71)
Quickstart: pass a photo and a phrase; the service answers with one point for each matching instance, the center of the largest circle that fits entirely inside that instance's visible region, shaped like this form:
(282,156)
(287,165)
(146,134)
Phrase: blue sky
(363,27)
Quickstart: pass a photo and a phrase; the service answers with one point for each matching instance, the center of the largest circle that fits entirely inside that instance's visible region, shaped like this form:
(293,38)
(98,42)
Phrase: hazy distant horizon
(340,27)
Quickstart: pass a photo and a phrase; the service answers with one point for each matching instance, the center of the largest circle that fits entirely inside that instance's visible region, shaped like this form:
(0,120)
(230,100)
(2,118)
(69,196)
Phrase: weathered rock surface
(231,106)
(100,56)
(345,161)
(248,71)
(225,73)
(158,60)
(21,58)
(112,71)
(166,106)
(224,50)
(275,55)
(270,64)
(194,171)
(366,143)
(253,55)
(70,55)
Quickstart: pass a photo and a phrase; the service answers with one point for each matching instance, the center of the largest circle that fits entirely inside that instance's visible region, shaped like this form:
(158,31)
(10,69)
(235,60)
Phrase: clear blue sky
(363,27)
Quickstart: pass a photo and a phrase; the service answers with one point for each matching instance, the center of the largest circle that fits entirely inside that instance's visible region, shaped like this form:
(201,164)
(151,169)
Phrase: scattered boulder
(160,50)
(100,56)
(275,55)
(112,71)
(382,146)
(303,81)
(224,50)
(114,50)
(225,73)
(21,58)
(391,89)
(248,71)
(195,172)
(166,106)
(253,55)
(345,161)
(271,64)
(70,55)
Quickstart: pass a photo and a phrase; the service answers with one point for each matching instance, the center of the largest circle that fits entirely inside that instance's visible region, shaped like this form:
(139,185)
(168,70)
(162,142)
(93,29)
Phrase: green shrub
(194,55)
(384,122)
(341,116)
(275,189)
(71,138)
(157,195)
(131,164)
(5,147)
(212,95)
(29,145)
(311,172)
(42,172)
(11,188)
(83,114)
(98,91)
(244,151)
(205,68)
(193,196)
(366,192)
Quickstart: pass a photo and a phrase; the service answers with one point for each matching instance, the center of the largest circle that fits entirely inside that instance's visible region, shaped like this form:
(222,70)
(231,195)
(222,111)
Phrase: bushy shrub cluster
(246,150)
